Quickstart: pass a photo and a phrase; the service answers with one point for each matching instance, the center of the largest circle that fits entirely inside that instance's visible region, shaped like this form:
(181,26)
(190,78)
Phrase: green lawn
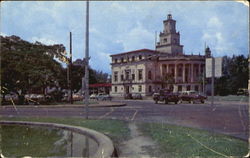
(176,141)
(171,141)
(114,128)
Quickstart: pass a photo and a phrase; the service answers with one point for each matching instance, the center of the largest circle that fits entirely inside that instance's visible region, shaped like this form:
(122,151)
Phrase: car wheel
(176,102)
(202,101)
(180,101)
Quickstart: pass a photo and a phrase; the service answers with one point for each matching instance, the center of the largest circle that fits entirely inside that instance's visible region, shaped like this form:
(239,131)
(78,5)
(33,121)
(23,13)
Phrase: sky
(121,26)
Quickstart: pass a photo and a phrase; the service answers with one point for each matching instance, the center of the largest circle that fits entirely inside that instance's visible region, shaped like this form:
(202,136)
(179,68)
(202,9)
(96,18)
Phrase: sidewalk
(92,105)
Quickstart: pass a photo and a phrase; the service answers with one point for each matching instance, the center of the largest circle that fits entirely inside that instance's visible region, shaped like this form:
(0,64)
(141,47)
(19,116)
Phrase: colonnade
(187,75)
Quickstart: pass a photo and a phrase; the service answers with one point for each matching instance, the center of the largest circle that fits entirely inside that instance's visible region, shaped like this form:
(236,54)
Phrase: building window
(139,74)
(127,75)
(122,78)
(133,58)
(127,59)
(172,72)
(122,60)
(133,76)
(196,88)
(197,71)
(175,41)
(140,57)
(179,88)
(115,89)
(115,76)
(165,39)
(202,70)
(139,88)
(179,72)
(149,75)
(149,89)
(115,60)
(188,88)
(149,57)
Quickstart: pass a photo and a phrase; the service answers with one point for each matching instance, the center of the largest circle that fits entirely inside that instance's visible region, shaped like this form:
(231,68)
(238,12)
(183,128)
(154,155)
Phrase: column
(175,72)
(200,70)
(161,71)
(189,72)
(192,72)
(183,73)
(167,68)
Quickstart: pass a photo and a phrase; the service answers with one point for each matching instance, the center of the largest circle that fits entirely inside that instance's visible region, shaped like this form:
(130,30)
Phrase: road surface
(228,117)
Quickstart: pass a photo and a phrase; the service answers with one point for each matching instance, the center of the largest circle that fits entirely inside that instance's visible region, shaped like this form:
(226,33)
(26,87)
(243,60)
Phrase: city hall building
(146,71)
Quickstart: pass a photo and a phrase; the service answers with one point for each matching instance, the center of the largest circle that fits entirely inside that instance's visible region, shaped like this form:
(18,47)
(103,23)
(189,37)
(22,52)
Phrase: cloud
(137,38)
(118,26)
(3,34)
(215,23)
(43,40)
(216,38)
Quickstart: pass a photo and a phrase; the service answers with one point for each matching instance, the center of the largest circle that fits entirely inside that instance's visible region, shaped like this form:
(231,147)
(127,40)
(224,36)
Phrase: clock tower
(169,38)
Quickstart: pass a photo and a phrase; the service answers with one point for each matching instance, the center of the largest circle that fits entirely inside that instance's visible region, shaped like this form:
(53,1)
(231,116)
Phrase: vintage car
(102,96)
(192,96)
(136,96)
(166,96)
(242,91)
(93,96)
(128,96)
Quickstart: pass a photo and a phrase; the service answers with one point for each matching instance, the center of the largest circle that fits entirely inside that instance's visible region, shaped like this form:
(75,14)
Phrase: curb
(105,145)
(64,106)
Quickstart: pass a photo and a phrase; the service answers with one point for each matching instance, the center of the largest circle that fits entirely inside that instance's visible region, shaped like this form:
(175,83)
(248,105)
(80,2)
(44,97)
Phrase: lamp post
(87,60)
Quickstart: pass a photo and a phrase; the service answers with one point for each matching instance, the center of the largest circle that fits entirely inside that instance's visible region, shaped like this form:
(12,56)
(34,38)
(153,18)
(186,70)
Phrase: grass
(171,140)
(113,128)
(175,141)
(117,130)
(239,98)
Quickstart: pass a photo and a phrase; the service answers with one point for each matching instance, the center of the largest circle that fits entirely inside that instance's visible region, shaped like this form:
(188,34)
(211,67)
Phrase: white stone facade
(146,71)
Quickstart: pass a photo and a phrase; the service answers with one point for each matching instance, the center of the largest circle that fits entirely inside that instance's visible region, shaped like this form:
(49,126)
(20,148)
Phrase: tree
(27,67)
(235,75)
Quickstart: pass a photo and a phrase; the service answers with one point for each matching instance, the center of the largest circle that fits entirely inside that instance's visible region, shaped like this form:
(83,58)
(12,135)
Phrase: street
(227,118)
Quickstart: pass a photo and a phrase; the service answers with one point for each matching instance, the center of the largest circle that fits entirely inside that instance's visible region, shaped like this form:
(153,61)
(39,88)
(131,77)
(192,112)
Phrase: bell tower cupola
(169,25)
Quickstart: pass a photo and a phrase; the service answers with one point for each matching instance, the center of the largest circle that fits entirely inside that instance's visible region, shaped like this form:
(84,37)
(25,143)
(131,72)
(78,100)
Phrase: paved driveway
(228,117)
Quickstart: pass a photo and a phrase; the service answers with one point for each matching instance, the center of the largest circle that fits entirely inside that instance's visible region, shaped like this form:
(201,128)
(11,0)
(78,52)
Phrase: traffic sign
(218,67)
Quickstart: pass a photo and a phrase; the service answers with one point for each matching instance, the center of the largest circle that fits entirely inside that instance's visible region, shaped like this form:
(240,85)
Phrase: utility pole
(87,60)
(70,74)
(68,78)
(203,80)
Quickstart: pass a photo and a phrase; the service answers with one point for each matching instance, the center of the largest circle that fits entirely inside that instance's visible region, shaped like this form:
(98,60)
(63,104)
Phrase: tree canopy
(235,75)
(31,67)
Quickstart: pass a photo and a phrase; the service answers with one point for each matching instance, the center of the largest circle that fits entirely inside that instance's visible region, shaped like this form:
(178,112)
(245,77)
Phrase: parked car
(136,96)
(103,96)
(77,97)
(34,98)
(166,96)
(192,96)
(10,99)
(12,96)
(243,91)
(128,96)
(93,96)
